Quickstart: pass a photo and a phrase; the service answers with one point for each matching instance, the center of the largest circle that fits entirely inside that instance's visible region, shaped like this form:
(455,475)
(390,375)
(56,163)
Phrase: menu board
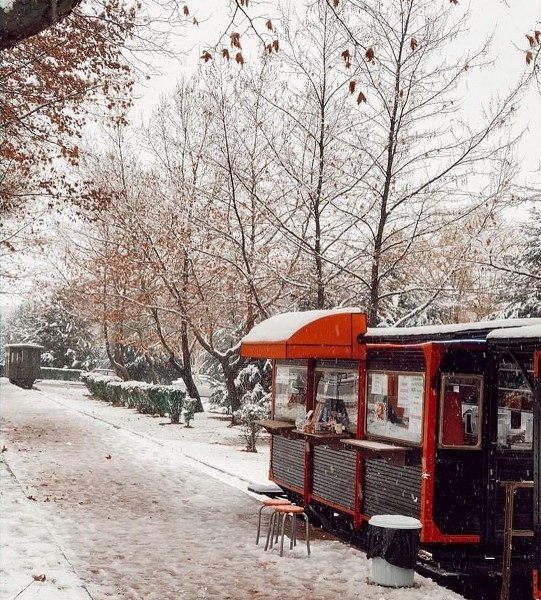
(380,383)
(410,398)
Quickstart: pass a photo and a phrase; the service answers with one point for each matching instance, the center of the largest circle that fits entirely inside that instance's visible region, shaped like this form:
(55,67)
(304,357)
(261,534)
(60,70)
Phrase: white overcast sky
(507,20)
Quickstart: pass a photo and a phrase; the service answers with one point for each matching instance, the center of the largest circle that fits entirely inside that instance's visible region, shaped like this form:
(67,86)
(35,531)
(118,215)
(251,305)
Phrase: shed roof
(310,334)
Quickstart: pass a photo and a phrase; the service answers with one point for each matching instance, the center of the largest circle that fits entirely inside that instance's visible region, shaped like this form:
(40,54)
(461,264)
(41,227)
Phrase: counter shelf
(370,450)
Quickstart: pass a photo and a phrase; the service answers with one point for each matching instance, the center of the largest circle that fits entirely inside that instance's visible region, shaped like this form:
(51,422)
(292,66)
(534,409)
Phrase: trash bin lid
(395,522)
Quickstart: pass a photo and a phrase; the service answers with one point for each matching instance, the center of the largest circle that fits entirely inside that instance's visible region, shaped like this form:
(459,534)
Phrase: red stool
(270,502)
(278,523)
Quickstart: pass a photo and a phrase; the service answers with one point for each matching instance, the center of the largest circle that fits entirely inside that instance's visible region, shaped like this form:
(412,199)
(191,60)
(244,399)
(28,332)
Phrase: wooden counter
(370,449)
(320,439)
(276,427)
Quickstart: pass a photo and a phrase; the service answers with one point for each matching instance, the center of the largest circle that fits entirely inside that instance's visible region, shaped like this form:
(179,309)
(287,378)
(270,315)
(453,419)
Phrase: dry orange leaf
(529,57)
(268,25)
(225,53)
(276,45)
(39,577)
(206,56)
(345,55)
(531,39)
(361,98)
(336,3)
(186,10)
(235,40)
(537,36)
(352,85)
(195,21)
(370,54)
(239,58)
(413,43)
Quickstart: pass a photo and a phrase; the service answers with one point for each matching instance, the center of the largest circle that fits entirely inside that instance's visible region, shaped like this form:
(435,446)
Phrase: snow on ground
(109,504)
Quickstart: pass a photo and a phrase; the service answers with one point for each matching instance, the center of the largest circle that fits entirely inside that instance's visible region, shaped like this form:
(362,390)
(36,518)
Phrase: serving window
(394,407)
(460,411)
(336,398)
(290,391)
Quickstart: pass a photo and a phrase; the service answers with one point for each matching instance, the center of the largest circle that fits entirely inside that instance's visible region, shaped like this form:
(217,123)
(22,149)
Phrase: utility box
(23,364)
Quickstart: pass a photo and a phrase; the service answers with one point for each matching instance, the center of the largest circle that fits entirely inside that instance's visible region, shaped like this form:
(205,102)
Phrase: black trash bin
(393,543)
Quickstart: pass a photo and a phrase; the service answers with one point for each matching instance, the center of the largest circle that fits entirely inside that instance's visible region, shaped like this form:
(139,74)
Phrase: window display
(395,405)
(336,400)
(515,407)
(460,411)
(290,391)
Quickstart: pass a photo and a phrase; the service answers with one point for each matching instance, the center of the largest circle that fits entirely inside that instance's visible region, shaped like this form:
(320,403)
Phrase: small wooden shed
(23,364)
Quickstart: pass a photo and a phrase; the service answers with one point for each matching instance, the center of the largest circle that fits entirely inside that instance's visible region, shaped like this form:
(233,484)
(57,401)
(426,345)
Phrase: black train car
(435,423)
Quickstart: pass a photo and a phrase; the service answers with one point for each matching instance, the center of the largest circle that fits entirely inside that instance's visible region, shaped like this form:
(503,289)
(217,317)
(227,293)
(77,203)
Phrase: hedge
(60,374)
(146,398)
(56,374)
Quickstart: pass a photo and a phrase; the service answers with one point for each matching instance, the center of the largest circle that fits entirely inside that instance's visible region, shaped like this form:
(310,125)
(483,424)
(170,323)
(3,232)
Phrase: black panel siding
(391,489)
(458,491)
(514,467)
(287,461)
(334,476)
(392,360)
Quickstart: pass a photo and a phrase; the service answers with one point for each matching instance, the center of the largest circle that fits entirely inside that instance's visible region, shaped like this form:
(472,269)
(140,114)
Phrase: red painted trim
(333,505)
(433,357)
(310,391)
(288,486)
(308,468)
(359,461)
(535,585)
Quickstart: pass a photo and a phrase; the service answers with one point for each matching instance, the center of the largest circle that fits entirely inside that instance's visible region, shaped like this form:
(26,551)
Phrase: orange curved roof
(310,334)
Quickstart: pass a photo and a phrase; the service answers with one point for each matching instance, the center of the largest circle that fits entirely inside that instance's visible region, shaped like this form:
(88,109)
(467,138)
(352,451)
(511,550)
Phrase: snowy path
(124,515)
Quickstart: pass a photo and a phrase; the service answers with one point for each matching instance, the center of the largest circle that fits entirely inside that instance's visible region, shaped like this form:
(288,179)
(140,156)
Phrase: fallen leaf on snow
(39,577)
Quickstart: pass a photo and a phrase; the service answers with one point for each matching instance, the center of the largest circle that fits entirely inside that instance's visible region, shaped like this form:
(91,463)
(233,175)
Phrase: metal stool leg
(284,517)
(270,532)
(307,533)
(259,525)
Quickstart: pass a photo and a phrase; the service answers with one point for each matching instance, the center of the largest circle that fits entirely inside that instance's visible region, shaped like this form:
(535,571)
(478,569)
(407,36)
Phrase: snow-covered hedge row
(60,374)
(145,397)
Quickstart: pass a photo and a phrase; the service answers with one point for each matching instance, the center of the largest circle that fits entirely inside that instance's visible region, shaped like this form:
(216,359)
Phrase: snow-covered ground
(109,504)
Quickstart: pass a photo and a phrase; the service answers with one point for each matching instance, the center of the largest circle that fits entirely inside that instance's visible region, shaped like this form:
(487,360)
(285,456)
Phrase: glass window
(290,391)
(394,407)
(515,406)
(336,402)
(460,411)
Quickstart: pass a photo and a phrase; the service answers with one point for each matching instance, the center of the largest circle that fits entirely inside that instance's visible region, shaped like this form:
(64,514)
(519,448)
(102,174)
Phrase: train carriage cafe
(440,423)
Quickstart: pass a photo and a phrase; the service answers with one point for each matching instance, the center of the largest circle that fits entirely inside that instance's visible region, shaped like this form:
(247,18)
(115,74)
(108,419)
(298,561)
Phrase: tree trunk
(28,17)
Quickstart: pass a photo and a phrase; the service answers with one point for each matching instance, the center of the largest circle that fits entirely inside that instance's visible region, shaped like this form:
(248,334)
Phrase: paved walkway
(129,519)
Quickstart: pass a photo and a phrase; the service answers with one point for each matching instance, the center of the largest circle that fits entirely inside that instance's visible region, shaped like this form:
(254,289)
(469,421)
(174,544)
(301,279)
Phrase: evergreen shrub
(52,373)
(144,397)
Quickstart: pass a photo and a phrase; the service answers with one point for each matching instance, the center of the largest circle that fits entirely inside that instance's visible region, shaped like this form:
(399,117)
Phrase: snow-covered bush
(176,401)
(190,406)
(219,399)
(144,397)
(248,415)
(60,374)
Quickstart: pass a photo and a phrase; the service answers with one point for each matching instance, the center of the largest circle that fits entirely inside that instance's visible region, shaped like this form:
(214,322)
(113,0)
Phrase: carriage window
(337,393)
(395,405)
(460,411)
(290,391)
(515,406)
